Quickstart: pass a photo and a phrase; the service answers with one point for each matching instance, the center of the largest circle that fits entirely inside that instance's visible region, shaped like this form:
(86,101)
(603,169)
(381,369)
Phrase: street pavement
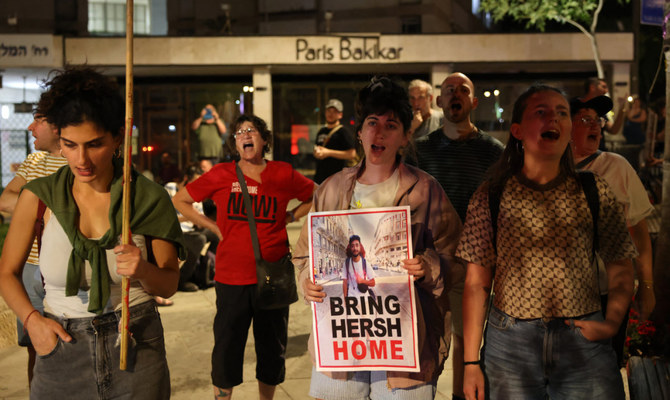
(189,341)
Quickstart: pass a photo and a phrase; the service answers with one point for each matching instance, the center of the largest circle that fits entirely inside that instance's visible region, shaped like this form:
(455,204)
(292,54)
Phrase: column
(262,81)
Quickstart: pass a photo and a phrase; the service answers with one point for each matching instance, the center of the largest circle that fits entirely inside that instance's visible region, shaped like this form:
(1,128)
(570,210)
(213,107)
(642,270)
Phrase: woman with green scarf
(81,260)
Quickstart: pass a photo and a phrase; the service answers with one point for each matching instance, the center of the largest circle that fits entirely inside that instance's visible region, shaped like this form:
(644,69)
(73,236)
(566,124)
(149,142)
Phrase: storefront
(287,80)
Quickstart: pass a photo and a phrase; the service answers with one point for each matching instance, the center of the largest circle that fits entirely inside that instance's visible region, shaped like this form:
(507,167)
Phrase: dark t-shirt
(459,165)
(342,139)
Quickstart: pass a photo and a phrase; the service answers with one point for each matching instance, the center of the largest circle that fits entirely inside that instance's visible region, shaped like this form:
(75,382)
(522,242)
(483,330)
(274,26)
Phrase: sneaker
(188,287)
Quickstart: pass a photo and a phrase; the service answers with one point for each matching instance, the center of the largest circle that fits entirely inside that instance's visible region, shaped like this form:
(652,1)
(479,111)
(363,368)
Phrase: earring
(117,152)
(519,147)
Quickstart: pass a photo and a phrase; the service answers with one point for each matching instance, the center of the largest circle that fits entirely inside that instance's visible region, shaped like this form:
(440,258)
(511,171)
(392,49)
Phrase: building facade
(281,61)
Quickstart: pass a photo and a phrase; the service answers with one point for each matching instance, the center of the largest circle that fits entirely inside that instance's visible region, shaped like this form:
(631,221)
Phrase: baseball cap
(601,104)
(336,104)
(354,237)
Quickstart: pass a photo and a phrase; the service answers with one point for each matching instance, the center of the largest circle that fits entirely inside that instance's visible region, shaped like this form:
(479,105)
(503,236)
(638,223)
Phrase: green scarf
(152,214)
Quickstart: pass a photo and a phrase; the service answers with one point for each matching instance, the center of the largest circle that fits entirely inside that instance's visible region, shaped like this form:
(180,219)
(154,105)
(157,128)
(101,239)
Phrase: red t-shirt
(235,262)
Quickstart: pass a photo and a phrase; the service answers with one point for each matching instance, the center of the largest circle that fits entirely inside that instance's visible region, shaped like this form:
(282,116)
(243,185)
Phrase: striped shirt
(459,165)
(37,165)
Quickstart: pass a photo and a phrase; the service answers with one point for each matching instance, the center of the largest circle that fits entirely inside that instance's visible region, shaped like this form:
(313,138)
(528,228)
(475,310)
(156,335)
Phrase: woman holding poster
(546,336)
(381,179)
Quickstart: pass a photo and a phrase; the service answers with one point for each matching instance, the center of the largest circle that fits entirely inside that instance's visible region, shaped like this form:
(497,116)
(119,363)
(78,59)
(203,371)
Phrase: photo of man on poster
(366,321)
(357,277)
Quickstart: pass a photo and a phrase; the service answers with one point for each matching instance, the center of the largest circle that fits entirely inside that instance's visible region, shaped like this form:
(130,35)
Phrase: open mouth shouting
(550,135)
(377,148)
(456,106)
(593,137)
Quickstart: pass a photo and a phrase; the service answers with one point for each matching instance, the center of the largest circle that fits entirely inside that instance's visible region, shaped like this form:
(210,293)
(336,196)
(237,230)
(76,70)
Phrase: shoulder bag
(276,287)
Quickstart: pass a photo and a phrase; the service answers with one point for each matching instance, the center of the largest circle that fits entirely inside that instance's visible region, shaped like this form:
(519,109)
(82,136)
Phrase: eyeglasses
(242,132)
(588,121)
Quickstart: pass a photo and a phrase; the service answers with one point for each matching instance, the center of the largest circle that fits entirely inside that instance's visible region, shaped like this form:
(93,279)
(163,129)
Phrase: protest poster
(367,320)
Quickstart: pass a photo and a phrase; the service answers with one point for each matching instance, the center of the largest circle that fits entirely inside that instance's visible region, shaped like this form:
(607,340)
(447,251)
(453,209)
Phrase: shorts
(32,282)
(366,385)
(536,359)
(235,312)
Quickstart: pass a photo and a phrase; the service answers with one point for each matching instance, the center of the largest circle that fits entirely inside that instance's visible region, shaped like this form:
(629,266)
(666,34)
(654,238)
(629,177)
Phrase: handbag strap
(250,212)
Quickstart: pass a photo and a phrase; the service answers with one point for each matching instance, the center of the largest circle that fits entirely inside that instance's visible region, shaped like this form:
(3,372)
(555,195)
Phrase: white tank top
(54,259)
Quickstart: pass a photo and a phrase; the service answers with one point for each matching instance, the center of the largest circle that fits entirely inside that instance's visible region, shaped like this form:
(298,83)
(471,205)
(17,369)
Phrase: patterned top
(37,165)
(544,266)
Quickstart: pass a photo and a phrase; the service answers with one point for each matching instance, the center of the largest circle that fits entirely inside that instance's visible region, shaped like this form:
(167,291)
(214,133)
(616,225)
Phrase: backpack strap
(587,160)
(588,181)
(494,209)
(330,134)
(346,268)
(39,223)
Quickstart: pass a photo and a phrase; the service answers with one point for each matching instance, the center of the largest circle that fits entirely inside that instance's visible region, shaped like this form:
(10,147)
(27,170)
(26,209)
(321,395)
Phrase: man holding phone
(209,130)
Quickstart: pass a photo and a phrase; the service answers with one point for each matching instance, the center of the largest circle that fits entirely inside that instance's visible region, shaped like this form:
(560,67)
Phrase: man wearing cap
(595,87)
(209,129)
(587,121)
(335,144)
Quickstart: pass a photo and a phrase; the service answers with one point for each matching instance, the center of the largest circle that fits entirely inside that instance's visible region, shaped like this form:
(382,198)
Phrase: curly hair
(81,94)
(381,96)
(259,124)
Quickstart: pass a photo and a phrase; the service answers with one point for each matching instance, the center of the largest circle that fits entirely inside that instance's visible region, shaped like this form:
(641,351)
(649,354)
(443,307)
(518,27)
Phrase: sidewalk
(189,342)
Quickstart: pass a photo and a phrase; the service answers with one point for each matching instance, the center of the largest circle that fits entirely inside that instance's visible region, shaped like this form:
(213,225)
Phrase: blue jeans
(88,366)
(366,385)
(530,359)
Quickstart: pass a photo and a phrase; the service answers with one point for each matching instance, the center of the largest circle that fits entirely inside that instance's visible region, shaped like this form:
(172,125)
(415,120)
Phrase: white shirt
(625,184)
(377,195)
(355,272)
(54,259)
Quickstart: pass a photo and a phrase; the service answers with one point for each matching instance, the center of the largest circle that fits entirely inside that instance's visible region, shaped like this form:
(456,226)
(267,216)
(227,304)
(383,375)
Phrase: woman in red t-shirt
(271,185)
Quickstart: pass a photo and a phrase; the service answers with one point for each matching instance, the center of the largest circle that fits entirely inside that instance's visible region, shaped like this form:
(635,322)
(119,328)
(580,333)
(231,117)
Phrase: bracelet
(25,321)
(478,362)
(648,283)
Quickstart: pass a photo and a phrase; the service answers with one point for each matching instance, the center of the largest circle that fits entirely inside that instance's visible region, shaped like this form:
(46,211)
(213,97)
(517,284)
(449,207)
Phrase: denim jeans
(533,359)
(366,385)
(88,366)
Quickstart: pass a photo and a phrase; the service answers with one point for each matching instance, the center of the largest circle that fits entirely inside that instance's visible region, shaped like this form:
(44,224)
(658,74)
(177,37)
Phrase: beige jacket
(436,228)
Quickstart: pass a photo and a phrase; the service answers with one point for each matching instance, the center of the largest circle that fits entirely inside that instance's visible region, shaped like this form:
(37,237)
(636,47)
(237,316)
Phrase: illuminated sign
(349,49)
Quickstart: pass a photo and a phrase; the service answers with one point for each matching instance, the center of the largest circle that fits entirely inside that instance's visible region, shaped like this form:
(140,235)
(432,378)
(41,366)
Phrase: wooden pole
(127,153)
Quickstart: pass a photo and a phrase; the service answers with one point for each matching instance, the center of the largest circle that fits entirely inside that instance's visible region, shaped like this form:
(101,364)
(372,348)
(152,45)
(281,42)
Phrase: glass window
(411,24)
(108,17)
